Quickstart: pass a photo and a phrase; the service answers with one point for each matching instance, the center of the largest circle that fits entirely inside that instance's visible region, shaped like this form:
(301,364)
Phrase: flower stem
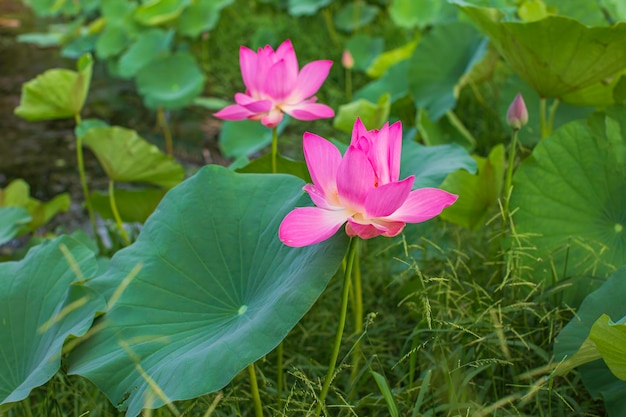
(509,179)
(351,256)
(162,121)
(254,388)
(358,317)
(83,182)
(274,149)
(116,214)
(553,108)
(349,84)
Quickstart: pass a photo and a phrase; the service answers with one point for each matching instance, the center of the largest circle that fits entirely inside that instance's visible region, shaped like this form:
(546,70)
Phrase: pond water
(44,153)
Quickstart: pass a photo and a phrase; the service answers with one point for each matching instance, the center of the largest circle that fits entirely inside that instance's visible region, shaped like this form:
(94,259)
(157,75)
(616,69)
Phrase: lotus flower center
(242,310)
(618,228)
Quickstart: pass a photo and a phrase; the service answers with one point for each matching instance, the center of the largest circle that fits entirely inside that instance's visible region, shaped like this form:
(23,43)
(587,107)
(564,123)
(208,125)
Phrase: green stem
(116,214)
(26,404)
(274,149)
(349,84)
(330,27)
(358,317)
(351,256)
(83,182)
(254,388)
(553,108)
(509,178)
(162,120)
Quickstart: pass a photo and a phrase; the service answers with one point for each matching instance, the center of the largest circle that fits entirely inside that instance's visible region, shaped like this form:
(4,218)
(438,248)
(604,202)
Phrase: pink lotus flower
(275,86)
(517,114)
(360,188)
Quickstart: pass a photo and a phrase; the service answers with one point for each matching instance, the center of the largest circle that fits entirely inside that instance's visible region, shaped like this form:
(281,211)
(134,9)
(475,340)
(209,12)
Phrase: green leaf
(571,205)
(41,304)
(390,58)
(157,12)
(87,124)
(596,376)
(211,103)
(57,93)
(12,221)
(477,193)
(445,130)
(201,16)
(113,40)
(438,64)
(355,15)
(263,165)
(419,13)
(587,12)
(364,49)
(305,7)
(133,205)
(372,115)
(394,82)
(246,137)
(557,56)
(216,289)
(43,40)
(127,157)
(383,386)
(432,164)
(610,340)
(150,45)
(171,82)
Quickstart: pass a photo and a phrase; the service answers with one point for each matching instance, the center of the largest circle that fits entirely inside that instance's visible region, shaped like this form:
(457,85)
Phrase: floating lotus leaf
(201,16)
(558,56)
(57,93)
(570,202)
(41,304)
(125,156)
(215,291)
(171,82)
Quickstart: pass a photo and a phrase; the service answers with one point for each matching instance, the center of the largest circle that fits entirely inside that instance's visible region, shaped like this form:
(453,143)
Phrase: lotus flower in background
(275,85)
(361,188)
(517,114)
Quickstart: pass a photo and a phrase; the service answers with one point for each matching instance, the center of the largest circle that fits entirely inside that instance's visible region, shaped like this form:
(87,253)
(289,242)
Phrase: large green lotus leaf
(477,193)
(132,205)
(113,40)
(388,59)
(157,12)
(394,82)
(355,15)
(263,165)
(557,55)
(373,115)
(57,93)
(432,164)
(171,82)
(149,45)
(305,7)
(127,157)
(588,12)
(245,137)
(571,206)
(216,289)
(599,380)
(12,221)
(364,49)
(42,302)
(439,62)
(420,13)
(201,16)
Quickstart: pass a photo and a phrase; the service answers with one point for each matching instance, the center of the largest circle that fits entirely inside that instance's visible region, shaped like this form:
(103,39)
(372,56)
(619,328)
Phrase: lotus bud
(347,60)
(517,115)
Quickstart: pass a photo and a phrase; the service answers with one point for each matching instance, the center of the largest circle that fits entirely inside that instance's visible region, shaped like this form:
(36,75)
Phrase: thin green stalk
(254,388)
(349,84)
(26,405)
(330,26)
(509,178)
(358,317)
(274,149)
(553,108)
(351,256)
(83,182)
(279,370)
(167,134)
(116,214)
